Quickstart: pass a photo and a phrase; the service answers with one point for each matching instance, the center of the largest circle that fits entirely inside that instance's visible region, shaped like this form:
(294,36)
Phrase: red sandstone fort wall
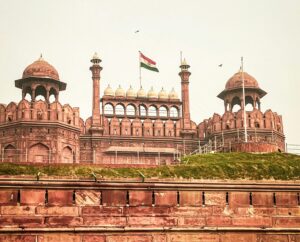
(152,212)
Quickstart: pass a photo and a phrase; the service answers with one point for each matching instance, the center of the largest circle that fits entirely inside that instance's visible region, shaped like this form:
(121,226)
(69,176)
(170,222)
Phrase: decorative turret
(96,121)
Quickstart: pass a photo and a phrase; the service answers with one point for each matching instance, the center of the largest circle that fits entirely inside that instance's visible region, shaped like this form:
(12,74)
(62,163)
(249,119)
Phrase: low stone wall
(148,212)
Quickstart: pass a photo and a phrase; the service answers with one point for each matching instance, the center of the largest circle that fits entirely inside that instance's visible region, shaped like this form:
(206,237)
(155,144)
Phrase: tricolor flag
(147,63)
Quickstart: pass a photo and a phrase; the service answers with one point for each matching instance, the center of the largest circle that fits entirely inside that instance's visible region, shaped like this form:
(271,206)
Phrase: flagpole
(140,70)
(244,101)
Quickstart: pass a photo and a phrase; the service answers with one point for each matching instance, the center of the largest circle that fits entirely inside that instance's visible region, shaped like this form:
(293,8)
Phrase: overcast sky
(67,33)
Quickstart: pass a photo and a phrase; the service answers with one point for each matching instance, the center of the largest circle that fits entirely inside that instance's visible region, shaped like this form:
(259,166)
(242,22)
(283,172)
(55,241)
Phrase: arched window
(130,110)
(152,112)
(143,110)
(40,93)
(108,109)
(52,95)
(249,103)
(120,110)
(235,104)
(174,112)
(163,111)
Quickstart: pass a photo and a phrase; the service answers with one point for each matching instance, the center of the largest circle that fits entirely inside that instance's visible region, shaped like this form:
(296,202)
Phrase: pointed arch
(67,155)
(10,153)
(38,153)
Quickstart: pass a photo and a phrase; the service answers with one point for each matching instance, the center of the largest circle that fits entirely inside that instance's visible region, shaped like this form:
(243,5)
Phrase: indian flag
(147,63)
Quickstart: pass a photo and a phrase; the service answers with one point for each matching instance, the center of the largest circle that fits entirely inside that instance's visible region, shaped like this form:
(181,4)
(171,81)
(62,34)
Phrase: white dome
(162,94)
(130,92)
(108,91)
(173,94)
(152,93)
(120,92)
(141,93)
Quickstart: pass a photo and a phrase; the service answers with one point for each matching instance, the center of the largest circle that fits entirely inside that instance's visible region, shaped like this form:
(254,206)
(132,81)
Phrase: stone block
(240,237)
(272,238)
(59,238)
(224,221)
(128,238)
(21,221)
(65,221)
(288,211)
(286,199)
(191,222)
(255,221)
(32,197)
(262,199)
(147,211)
(101,211)
(166,198)
(17,238)
(152,221)
(87,197)
(159,238)
(8,197)
(93,238)
(57,211)
(215,199)
(191,211)
(201,237)
(287,222)
(114,197)
(140,198)
(18,210)
(104,221)
(60,197)
(239,199)
(190,198)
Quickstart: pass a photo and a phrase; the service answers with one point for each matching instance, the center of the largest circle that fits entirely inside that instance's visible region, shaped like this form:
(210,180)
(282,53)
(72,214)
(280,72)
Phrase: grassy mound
(277,166)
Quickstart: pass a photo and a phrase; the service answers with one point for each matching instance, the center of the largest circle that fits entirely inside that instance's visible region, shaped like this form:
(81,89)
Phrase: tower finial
(41,57)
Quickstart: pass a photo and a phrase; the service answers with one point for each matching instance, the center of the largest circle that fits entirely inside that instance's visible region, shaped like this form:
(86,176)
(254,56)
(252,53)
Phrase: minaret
(185,74)
(96,127)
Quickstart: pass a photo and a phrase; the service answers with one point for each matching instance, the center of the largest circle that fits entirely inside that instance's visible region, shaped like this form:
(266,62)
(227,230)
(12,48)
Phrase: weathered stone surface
(18,210)
(152,221)
(8,197)
(272,238)
(93,238)
(262,199)
(59,238)
(114,197)
(66,221)
(199,237)
(238,237)
(239,199)
(288,211)
(215,199)
(166,198)
(191,211)
(128,238)
(57,210)
(219,221)
(286,199)
(256,221)
(32,197)
(104,221)
(140,198)
(101,211)
(60,197)
(17,238)
(147,211)
(87,197)
(191,222)
(190,198)
(287,222)
(21,221)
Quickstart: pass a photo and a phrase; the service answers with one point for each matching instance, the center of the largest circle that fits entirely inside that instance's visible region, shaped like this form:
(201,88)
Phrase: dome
(130,92)
(141,93)
(236,81)
(173,94)
(120,92)
(162,94)
(152,93)
(41,68)
(108,91)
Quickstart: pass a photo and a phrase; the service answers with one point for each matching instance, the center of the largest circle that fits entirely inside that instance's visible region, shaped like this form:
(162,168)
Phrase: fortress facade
(129,127)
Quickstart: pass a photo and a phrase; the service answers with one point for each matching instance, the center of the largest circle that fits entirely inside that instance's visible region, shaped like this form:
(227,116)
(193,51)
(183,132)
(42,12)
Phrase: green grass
(278,166)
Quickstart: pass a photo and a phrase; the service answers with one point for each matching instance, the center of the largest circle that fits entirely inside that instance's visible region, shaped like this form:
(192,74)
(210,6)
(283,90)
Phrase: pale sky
(67,33)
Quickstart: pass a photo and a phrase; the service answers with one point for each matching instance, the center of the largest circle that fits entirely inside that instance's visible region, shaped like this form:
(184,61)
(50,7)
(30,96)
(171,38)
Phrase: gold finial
(95,59)
(183,63)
